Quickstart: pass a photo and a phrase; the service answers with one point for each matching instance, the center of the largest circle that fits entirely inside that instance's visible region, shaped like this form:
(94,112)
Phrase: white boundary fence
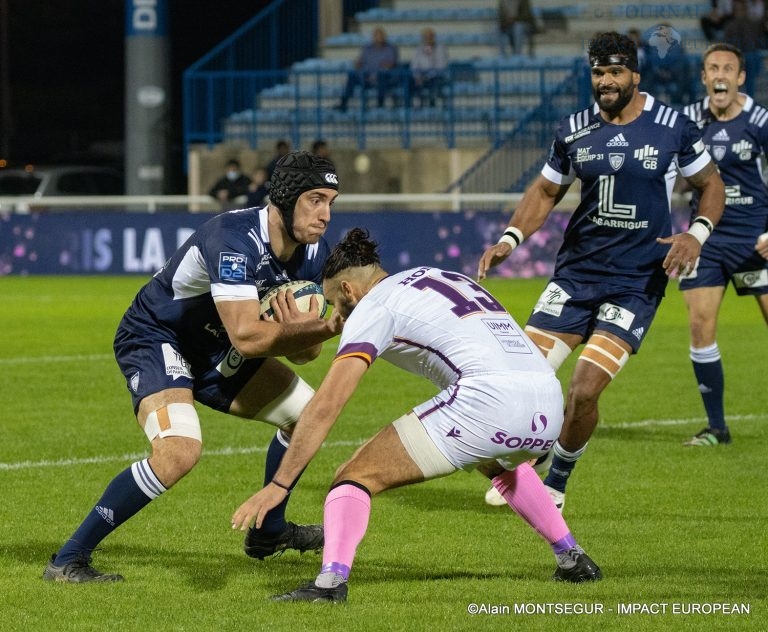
(417,202)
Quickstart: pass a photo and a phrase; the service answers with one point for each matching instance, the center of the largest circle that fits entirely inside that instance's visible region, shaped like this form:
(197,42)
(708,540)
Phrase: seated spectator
(373,69)
(429,68)
(257,189)
(232,188)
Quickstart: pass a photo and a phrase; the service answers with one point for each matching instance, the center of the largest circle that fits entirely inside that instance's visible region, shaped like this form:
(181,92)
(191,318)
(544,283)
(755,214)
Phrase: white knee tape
(285,409)
(555,350)
(174,420)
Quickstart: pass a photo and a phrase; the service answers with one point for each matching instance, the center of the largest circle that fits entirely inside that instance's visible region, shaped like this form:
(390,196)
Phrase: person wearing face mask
(231,189)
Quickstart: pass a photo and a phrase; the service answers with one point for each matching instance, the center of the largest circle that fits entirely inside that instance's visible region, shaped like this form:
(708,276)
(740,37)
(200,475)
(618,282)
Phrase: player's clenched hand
(493,256)
(253,510)
(682,255)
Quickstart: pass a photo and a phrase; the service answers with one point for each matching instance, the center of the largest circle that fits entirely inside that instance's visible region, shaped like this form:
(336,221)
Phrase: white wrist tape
(701,228)
(762,237)
(512,236)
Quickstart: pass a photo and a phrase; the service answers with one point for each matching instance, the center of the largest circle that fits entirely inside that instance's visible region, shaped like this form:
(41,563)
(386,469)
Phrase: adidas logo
(617,141)
(454,432)
(721,136)
(106,513)
(135,382)
(638,333)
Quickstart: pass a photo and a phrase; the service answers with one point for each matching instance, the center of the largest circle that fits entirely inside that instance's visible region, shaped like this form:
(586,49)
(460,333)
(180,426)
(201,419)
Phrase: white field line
(230,451)
(51,359)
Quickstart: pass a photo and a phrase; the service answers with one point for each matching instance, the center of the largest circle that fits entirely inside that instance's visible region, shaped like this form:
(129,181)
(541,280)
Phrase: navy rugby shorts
(738,263)
(573,307)
(151,365)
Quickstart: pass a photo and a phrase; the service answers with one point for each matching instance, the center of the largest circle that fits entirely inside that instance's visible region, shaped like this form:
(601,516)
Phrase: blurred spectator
(232,188)
(373,69)
(745,30)
(429,68)
(714,22)
(518,23)
(643,62)
(282,148)
(257,189)
(321,148)
(668,76)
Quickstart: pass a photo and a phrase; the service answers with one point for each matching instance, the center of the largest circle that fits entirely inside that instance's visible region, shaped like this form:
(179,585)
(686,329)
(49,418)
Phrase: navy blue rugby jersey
(735,147)
(627,173)
(227,258)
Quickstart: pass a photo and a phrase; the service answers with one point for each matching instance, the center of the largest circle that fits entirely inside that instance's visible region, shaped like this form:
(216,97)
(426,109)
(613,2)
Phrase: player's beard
(614,108)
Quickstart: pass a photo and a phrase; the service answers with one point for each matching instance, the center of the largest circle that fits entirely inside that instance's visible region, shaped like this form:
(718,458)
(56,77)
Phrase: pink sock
(345,521)
(525,493)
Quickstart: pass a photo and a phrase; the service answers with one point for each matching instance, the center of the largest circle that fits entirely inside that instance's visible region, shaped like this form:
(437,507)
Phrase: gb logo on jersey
(232,266)
(743,149)
(648,155)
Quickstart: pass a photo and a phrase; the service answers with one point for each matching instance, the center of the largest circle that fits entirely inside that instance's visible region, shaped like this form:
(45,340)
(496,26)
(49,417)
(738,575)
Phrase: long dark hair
(356,250)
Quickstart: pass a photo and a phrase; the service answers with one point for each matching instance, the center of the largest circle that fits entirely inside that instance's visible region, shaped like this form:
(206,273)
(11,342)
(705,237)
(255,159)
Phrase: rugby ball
(303,291)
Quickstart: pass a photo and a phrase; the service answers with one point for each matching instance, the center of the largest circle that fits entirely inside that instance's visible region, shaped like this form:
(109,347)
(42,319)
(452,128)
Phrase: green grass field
(671,528)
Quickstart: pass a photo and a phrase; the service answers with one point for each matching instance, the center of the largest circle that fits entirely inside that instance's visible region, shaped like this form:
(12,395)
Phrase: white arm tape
(701,229)
(512,236)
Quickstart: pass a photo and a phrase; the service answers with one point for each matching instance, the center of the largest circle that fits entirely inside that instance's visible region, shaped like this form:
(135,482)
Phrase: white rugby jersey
(440,325)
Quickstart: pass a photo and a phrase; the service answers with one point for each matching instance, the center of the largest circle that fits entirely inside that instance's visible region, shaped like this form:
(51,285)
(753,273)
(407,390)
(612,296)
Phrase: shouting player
(499,405)
(618,250)
(735,130)
(194,333)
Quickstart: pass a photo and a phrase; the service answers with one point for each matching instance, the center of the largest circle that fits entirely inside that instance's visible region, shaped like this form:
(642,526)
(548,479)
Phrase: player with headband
(194,334)
(618,250)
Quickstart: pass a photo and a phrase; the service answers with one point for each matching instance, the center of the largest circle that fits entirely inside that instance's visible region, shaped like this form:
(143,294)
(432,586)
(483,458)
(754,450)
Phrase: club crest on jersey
(616,160)
(718,151)
(232,266)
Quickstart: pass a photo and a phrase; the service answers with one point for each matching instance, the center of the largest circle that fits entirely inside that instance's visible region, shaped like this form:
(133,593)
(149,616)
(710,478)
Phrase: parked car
(70,180)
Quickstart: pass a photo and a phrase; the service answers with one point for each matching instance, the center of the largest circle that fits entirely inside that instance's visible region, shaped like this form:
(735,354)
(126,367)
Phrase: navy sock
(274,521)
(562,465)
(708,368)
(129,492)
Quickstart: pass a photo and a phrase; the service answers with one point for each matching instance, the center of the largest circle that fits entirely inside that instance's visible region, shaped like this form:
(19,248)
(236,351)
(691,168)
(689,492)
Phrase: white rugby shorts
(508,417)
